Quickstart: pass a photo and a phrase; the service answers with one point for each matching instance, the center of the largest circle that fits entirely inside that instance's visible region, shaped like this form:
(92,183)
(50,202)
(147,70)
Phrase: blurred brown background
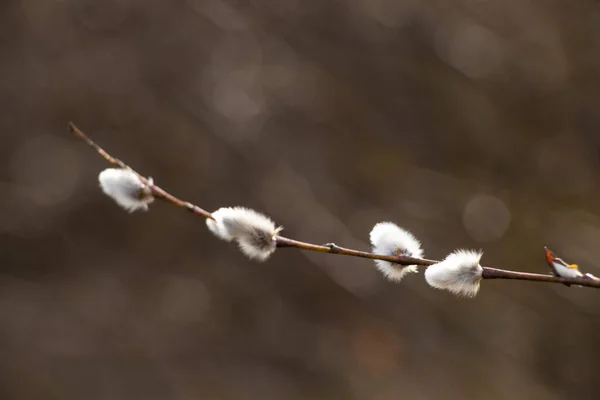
(472,123)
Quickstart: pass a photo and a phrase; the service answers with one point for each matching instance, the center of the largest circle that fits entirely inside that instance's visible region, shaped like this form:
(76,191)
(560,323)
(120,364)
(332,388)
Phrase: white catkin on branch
(254,232)
(389,239)
(125,188)
(459,273)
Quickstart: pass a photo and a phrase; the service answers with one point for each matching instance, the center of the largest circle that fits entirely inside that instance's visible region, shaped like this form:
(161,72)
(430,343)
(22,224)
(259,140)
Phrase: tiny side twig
(331,248)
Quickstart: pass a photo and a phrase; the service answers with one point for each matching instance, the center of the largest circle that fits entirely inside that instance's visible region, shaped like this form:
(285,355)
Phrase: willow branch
(331,248)
(157,191)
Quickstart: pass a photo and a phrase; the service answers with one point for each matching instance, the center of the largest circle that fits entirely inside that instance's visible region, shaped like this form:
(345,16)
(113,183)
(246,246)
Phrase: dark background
(472,123)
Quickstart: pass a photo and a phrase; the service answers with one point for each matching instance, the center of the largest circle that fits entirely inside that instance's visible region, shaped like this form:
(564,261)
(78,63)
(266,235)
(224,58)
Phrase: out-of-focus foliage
(472,123)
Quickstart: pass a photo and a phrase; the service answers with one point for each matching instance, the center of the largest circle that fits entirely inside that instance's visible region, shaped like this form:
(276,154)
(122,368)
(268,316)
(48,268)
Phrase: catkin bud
(460,273)
(254,232)
(126,188)
(389,239)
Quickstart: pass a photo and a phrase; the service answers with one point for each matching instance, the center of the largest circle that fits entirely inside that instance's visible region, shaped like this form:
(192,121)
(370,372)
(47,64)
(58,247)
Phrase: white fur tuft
(389,239)
(216,226)
(125,188)
(254,232)
(460,273)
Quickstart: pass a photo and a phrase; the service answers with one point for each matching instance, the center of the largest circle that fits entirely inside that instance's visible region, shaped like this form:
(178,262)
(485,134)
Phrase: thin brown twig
(156,190)
(331,248)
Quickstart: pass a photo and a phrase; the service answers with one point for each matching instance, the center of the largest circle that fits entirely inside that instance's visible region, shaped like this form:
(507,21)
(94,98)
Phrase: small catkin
(389,239)
(459,273)
(126,188)
(254,232)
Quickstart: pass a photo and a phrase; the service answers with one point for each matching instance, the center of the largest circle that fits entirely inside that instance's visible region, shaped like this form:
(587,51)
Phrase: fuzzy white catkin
(389,239)
(459,273)
(254,232)
(125,188)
